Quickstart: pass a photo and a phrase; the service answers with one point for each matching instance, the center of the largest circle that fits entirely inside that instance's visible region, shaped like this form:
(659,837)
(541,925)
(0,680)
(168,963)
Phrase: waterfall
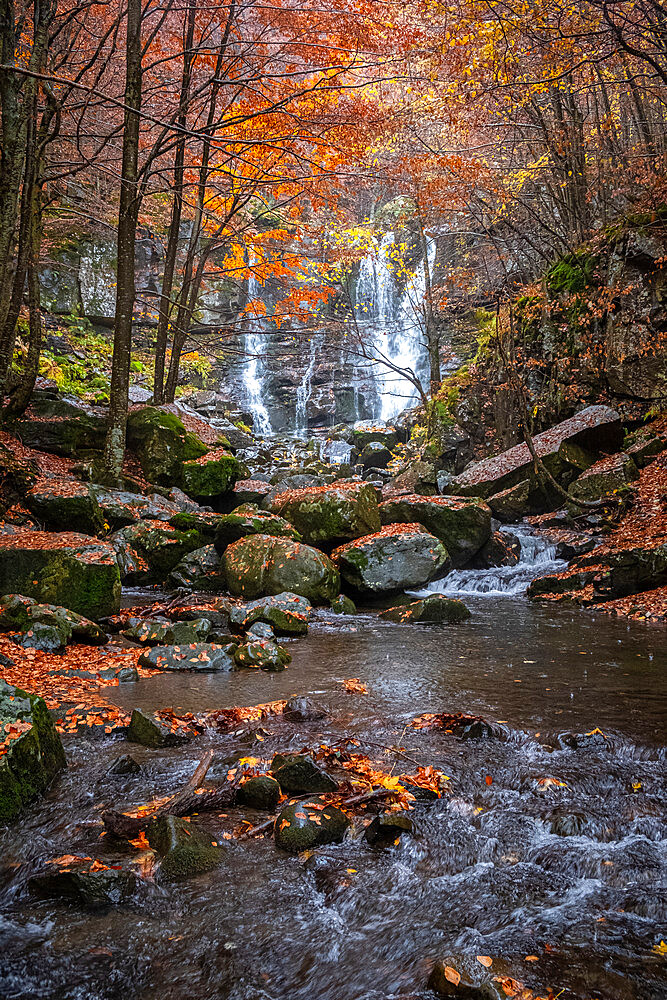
(537,558)
(336,452)
(254,345)
(304,391)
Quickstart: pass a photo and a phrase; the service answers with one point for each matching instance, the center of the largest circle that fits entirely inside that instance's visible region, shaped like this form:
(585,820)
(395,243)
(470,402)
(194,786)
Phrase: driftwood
(353,800)
(183,803)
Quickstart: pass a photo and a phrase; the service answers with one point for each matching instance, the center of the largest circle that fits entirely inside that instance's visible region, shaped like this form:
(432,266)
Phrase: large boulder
(250,520)
(160,546)
(513,504)
(463,526)
(287,614)
(212,475)
(333,513)
(21,614)
(73,571)
(120,507)
(438,610)
(31,753)
(297,773)
(63,425)
(605,478)
(263,565)
(303,825)
(162,443)
(395,558)
(597,428)
(199,570)
(60,503)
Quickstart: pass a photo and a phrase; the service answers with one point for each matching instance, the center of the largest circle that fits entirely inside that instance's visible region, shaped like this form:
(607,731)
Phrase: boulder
(596,428)
(303,825)
(195,657)
(160,547)
(204,521)
(606,477)
(250,520)
(263,654)
(63,425)
(644,449)
(395,558)
(47,638)
(343,605)
(297,773)
(162,444)
(120,507)
(332,513)
(60,503)
(513,504)
(262,565)
(430,610)
(150,731)
(31,754)
(387,827)
(82,883)
(260,792)
(212,475)
(199,570)
(502,549)
(463,526)
(250,491)
(365,431)
(260,630)
(19,614)
(375,455)
(156,632)
(286,613)
(184,850)
(299,708)
(70,570)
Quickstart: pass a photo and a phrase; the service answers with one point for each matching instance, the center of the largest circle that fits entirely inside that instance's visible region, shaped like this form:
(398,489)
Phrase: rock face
(162,444)
(59,502)
(197,657)
(286,613)
(605,477)
(32,753)
(332,513)
(250,520)
(302,825)
(432,610)
(159,546)
(262,565)
(70,570)
(597,428)
(63,425)
(212,475)
(397,557)
(463,526)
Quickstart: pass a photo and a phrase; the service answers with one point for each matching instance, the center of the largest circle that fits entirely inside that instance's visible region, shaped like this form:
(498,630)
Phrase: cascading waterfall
(304,391)
(254,344)
(537,558)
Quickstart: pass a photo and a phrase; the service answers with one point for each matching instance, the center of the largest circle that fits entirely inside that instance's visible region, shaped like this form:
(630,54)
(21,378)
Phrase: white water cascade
(397,323)
(254,344)
(537,558)
(304,390)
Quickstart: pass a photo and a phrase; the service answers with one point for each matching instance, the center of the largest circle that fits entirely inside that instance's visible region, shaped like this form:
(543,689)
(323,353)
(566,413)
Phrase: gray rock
(310,823)
(150,731)
(298,773)
(198,657)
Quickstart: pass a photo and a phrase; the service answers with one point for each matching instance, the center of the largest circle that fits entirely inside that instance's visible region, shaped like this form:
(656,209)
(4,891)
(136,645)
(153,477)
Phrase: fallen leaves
(354,686)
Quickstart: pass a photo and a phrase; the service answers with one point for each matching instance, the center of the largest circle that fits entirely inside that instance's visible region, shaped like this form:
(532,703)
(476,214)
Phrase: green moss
(211,479)
(572,273)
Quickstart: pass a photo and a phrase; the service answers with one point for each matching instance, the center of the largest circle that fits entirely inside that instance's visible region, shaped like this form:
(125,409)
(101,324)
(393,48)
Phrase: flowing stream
(540,848)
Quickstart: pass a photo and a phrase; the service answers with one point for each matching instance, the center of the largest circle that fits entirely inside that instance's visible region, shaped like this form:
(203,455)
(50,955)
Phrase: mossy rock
(199,570)
(438,610)
(184,850)
(161,545)
(149,731)
(296,773)
(60,503)
(303,825)
(64,425)
(463,526)
(197,657)
(343,605)
(19,614)
(153,632)
(32,760)
(263,654)
(260,792)
(262,565)
(398,557)
(213,475)
(245,521)
(162,444)
(332,513)
(78,884)
(286,613)
(69,570)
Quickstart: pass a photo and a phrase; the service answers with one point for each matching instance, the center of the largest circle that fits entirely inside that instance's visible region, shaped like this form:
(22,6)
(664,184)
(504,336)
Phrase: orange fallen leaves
(354,686)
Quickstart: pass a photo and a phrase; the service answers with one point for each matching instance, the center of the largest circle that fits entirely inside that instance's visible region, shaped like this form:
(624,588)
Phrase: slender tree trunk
(127,234)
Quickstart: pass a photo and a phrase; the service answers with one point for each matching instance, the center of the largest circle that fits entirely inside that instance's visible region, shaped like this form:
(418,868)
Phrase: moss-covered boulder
(120,507)
(343,605)
(395,558)
(262,565)
(19,614)
(70,570)
(199,570)
(64,425)
(260,792)
(297,773)
(309,823)
(61,503)
(150,730)
(262,654)
(287,614)
(204,521)
(194,657)
(438,610)
(213,475)
(160,546)
(250,520)
(511,505)
(462,526)
(365,431)
(333,513)
(605,478)
(156,632)
(184,849)
(31,753)
(162,443)
(387,827)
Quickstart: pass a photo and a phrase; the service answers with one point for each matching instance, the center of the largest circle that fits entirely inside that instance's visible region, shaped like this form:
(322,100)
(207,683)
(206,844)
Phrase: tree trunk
(127,234)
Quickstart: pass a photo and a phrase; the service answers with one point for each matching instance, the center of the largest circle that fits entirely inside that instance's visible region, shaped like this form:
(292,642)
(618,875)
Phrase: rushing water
(254,344)
(502,866)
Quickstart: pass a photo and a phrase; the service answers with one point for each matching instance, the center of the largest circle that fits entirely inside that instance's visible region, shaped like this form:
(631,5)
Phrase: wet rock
(150,731)
(127,675)
(260,630)
(250,520)
(597,428)
(502,549)
(513,504)
(262,565)
(196,657)
(82,884)
(204,521)
(34,754)
(343,605)
(60,502)
(366,431)
(47,638)
(606,477)
(430,610)
(120,507)
(65,569)
(309,823)
(262,653)
(19,614)
(63,425)
(162,444)
(331,513)
(184,850)
(286,613)
(396,558)
(153,632)
(375,455)
(581,741)
(298,773)
(299,708)
(212,476)
(124,765)
(159,548)
(260,792)
(250,491)
(199,570)
(386,827)
(463,526)
(464,978)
